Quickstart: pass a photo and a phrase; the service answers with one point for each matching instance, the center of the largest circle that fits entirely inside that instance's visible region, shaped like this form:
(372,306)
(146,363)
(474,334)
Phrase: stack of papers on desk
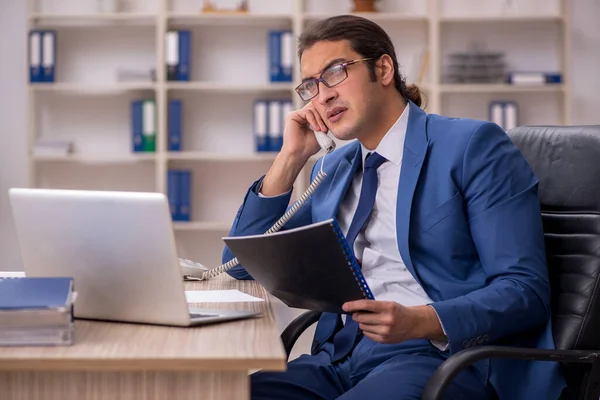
(218,296)
(36,311)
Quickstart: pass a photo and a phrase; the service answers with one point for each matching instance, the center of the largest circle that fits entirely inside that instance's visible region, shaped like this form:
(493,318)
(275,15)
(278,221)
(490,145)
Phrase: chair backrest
(566,160)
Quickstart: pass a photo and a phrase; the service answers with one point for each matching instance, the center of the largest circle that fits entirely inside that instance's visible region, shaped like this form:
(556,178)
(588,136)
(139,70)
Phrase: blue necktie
(345,339)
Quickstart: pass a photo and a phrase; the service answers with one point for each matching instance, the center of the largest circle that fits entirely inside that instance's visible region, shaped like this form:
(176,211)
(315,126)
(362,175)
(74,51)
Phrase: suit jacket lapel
(415,149)
(338,185)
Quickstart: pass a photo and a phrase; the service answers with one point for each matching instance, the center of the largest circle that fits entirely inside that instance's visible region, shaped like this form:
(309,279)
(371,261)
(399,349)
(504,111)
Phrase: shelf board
(207,226)
(91,88)
(375,16)
(499,88)
(96,158)
(230,87)
(228,18)
(92,19)
(207,156)
(501,18)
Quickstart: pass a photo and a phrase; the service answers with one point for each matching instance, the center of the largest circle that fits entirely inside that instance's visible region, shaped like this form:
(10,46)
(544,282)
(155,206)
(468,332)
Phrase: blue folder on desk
(36,293)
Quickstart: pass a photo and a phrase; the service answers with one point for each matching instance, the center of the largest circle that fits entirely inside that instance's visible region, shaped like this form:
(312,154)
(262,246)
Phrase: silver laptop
(118,246)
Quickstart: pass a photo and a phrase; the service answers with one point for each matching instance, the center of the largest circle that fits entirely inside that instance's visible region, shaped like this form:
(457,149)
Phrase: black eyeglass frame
(316,81)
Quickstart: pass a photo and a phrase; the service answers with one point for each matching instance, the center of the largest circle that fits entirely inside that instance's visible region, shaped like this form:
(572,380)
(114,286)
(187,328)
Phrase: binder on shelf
(281,55)
(48,56)
(172,54)
(311,267)
(287,56)
(149,126)
(137,126)
(496,114)
(184,50)
(179,194)
(185,195)
(511,117)
(173,193)
(286,107)
(275,126)
(35,56)
(260,123)
(274,55)
(533,78)
(504,114)
(174,125)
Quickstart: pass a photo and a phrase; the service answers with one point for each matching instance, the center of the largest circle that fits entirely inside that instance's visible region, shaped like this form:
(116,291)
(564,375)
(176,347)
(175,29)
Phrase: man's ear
(386,69)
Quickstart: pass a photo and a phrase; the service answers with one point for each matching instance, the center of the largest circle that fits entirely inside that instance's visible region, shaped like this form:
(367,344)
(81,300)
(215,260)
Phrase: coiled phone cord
(277,226)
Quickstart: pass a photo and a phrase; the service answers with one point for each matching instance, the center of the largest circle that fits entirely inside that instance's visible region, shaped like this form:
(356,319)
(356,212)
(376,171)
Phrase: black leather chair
(567,162)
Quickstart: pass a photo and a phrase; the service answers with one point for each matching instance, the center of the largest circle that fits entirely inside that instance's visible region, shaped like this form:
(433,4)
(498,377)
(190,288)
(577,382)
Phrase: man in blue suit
(443,216)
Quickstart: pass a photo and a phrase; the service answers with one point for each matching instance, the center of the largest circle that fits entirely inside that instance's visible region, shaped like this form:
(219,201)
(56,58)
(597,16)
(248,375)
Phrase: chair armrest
(293,331)
(443,375)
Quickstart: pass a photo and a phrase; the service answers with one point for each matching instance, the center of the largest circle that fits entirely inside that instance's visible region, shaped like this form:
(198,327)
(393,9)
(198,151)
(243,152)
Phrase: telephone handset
(195,271)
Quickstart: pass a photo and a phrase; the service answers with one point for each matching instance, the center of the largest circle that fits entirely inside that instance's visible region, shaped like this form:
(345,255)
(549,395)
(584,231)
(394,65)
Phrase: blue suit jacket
(469,230)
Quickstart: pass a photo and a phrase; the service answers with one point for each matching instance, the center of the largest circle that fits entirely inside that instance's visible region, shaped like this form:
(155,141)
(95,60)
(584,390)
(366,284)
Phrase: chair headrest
(566,160)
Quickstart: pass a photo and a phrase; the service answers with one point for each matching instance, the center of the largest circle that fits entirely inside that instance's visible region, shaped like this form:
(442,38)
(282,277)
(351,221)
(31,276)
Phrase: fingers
(369,318)
(315,120)
(382,330)
(364,305)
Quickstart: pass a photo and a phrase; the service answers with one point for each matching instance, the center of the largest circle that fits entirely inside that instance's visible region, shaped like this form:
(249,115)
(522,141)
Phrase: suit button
(486,337)
(480,339)
(466,343)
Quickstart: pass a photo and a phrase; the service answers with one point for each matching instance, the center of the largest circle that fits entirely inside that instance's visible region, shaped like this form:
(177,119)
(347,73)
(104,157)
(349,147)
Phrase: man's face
(347,107)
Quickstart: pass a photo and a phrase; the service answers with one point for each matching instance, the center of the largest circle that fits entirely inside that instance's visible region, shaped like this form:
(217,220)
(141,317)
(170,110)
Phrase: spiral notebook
(310,267)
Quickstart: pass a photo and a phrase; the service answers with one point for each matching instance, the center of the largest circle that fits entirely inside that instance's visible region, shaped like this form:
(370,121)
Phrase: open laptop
(118,246)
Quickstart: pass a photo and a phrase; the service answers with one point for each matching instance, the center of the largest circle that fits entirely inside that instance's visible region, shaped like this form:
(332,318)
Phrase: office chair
(567,162)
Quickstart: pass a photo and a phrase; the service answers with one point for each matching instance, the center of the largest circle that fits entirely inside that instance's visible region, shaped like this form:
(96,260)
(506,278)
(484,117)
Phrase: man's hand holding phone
(299,144)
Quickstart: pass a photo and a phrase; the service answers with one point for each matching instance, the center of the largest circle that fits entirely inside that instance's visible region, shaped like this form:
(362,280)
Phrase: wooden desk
(116,361)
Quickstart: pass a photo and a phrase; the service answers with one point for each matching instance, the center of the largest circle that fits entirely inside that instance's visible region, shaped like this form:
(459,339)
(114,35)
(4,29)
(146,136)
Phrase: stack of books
(36,311)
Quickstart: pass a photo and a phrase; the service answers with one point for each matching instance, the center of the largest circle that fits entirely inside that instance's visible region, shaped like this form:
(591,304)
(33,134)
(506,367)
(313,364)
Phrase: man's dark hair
(367,39)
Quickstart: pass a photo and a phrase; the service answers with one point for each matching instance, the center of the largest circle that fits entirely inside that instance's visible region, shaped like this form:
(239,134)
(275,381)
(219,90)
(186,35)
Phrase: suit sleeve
(257,214)
(500,193)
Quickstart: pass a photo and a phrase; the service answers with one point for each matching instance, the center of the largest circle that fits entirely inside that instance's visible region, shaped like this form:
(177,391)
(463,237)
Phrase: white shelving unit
(229,71)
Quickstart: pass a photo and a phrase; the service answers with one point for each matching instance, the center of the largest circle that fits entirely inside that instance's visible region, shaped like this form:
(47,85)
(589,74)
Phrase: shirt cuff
(270,197)
(440,344)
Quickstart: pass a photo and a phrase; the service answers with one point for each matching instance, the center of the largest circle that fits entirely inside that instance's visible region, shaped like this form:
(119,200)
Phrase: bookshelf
(88,105)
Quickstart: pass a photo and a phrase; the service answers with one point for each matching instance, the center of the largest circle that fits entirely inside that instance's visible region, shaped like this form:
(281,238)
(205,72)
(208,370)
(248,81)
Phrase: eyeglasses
(331,77)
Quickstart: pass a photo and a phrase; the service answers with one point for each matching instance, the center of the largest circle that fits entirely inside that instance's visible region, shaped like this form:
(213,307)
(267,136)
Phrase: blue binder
(275,125)
(185,61)
(35,56)
(185,195)
(533,77)
(286,43)
(174,128)
(36,293)
(173,193)
(48,56)
(260,118)
(136,126)
(275,70)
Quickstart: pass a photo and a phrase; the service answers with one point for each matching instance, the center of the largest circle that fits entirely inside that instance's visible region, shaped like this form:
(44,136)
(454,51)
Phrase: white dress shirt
(376,245)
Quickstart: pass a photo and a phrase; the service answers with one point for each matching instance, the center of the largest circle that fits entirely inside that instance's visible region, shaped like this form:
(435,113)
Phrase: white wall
(586,58)
(13,106)
(13,86)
